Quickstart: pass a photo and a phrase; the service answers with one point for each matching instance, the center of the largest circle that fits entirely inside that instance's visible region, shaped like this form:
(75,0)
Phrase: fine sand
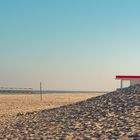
(12,104)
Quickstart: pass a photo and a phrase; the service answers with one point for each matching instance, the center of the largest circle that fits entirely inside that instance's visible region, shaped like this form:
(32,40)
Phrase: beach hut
(131,80)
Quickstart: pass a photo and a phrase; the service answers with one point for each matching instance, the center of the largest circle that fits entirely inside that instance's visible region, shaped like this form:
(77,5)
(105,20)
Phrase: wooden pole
(121,83)
(40,91)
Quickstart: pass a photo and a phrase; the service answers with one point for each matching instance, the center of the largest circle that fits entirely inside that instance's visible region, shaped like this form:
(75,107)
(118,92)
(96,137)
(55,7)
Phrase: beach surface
(112,116)
(12,104)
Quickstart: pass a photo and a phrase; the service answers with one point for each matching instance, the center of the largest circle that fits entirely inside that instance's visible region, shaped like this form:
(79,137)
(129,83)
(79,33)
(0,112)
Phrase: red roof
(127,77)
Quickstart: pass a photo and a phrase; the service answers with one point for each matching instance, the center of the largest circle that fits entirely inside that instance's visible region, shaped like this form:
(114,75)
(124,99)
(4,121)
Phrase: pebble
(114,116)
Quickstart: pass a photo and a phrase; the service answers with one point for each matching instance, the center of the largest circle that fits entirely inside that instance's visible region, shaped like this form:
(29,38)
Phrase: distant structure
(133,80)
(15,90)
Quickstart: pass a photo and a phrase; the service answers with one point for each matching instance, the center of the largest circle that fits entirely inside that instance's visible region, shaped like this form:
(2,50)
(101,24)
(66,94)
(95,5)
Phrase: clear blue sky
(68,44)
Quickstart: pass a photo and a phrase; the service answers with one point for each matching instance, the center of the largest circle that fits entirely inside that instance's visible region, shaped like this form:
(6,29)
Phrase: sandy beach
(112,116)
(12,104)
